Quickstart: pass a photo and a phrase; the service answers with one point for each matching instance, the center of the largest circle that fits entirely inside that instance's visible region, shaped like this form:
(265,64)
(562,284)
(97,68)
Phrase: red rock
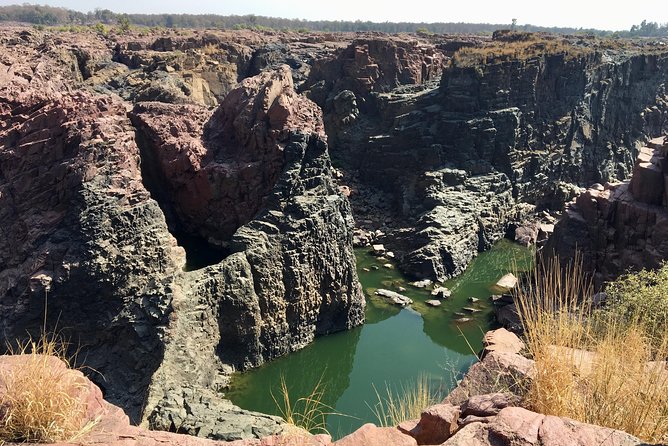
(371,435)
(623,227)
(488,404)
(219,181)
(502,340)
(437,423)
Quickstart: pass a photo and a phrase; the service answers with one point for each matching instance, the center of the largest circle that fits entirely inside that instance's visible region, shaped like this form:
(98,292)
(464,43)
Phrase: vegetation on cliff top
(509,46)
(604,366)
(49,15)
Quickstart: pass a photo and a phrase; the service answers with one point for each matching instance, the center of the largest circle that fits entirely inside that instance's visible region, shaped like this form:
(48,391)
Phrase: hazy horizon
(568,13)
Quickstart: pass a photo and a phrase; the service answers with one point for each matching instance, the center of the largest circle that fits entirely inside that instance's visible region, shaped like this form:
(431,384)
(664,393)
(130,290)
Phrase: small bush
(641,299)
(100,29)
(406,403)
(38,402)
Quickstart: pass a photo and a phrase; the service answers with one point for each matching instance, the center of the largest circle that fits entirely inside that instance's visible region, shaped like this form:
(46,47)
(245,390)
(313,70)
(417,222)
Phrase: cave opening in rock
(200,253)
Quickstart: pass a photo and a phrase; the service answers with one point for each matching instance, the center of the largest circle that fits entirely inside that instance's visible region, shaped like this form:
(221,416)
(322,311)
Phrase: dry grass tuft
(395,407)
(308,412)
(38,402)
(599,367)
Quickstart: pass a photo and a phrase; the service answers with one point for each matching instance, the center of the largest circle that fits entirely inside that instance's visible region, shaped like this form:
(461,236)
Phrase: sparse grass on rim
(39,402)
(595,366)
(405,403)
(307,412)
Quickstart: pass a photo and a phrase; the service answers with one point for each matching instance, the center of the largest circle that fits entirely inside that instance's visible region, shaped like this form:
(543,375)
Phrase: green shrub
(641,299)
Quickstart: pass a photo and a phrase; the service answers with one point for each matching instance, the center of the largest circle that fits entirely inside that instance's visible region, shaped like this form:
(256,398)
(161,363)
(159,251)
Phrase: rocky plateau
(183,204)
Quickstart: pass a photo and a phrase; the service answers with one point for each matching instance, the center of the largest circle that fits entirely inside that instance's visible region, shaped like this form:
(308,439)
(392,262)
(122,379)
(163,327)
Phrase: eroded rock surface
(619,226)
(447,169)
(86,217)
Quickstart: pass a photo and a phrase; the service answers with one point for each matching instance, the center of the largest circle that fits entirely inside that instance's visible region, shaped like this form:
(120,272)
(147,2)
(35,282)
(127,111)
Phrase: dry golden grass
(500,51)
(393,408)
(308,412)
(38,402)
(594,366)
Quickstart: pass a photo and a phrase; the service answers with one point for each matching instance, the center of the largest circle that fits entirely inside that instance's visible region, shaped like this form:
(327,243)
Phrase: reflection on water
(395,346)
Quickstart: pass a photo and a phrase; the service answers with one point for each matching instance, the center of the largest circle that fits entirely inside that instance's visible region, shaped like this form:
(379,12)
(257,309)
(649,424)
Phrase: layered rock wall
(620,226)
(528,132)
(85,237)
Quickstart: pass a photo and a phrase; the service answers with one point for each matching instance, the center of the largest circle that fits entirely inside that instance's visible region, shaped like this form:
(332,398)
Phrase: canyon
(184,204)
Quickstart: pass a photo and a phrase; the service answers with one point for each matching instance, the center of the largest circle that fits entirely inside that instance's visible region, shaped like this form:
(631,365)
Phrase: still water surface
(394,346)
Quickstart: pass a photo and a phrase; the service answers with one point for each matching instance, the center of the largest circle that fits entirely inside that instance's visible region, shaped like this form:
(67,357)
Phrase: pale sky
(610,14)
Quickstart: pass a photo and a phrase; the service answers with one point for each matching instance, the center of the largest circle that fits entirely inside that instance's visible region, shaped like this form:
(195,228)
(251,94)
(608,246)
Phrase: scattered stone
(390,254)
(507,282)
(366,270)
(433,302)
(401,289)
(396,298)
(388,266)
(441,292)
(472,310)
(527,235)
(422,283)
(378,250)
(473,299)
(375,267)
(463,319)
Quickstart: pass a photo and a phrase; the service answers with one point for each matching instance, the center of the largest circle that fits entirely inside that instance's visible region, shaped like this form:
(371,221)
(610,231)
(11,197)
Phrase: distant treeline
(49,15)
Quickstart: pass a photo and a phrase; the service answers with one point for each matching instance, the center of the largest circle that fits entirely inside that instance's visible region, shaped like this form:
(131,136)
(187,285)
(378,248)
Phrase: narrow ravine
(394,347)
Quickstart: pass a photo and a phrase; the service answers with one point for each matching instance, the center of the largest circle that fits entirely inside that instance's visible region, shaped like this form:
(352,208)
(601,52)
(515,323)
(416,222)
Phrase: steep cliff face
(620,226)
(521,131)
(374,64)
(86,214)
(82,235)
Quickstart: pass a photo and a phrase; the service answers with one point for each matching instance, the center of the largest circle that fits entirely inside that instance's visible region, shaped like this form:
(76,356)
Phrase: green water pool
(394,347)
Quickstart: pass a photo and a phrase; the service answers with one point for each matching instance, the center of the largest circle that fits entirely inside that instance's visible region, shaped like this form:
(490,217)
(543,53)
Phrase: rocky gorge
(169,202)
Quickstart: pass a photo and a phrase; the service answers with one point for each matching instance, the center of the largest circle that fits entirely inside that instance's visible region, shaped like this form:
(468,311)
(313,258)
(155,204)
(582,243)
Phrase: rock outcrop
(85,237)
(107,425)
(619,226)
(463,162)
(374,64)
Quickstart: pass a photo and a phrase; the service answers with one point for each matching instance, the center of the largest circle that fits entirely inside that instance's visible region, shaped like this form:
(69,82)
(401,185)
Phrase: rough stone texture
(620,226)
(488,404)
(112,426)
(75,211)
(216,183)
(459,160)
(497,372)
(502,340)
(517,426)
(437,423)
(80,225)
(374,64)
(371,435)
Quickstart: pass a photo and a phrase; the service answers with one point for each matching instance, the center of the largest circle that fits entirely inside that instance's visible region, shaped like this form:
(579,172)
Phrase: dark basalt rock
(85,235)
(622,226)
(530,132)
